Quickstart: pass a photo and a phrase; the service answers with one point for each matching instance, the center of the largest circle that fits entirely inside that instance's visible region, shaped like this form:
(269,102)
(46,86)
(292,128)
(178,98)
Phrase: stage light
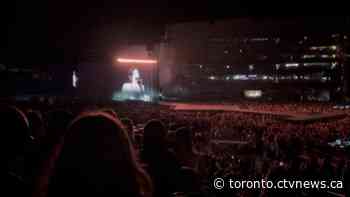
(334,64)
(74,79)
(308,56)
(291,65)
(212,77)
(252,93)
(277,66)
(136,61)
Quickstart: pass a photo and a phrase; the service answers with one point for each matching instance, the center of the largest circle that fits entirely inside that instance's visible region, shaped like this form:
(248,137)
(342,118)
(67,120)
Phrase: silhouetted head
(183,139)
(129,126)
(57,123)
(97,159)
(155,134)
(111,112)
(174,126)
(171,139)
(190,180)
(14,132)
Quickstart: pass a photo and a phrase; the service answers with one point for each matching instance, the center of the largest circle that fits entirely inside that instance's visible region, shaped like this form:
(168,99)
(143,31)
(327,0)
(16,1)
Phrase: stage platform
(287,116)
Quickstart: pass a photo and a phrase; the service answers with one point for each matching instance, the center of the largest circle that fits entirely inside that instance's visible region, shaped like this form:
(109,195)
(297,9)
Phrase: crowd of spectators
(77,148)
(308,107)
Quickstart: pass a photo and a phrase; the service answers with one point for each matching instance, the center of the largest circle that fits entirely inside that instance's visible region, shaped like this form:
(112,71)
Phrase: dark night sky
(41,32)
(47,32)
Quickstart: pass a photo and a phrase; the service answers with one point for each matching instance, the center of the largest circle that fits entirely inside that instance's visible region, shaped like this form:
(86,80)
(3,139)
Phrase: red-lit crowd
(288,107)
(140,149)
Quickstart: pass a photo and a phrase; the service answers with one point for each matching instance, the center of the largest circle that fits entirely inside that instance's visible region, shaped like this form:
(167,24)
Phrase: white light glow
(252,76)
(252,93)
(308,56)
(317,64)
(335,35)
(147,98)
(277,40)
(324,78)
(74,79)
(334,64)
(318,47)
(137,61)
(291,65)
(259,39)
(240,77)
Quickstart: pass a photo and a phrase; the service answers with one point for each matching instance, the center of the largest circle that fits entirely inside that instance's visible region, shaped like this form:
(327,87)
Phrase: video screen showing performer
(134,89)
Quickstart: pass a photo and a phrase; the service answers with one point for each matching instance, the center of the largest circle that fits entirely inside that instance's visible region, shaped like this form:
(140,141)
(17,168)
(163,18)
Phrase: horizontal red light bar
(137,61)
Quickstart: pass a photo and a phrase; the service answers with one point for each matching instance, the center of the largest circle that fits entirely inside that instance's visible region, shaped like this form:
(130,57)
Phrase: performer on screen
(135,87)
